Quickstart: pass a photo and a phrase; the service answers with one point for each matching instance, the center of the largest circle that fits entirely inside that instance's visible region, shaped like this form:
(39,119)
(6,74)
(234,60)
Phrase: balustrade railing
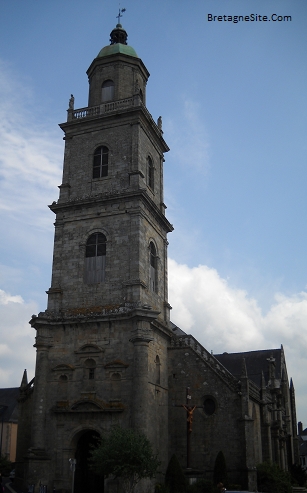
(190,341)
(103,108)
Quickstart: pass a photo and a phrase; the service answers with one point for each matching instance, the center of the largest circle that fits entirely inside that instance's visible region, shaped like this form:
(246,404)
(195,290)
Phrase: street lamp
(73,469)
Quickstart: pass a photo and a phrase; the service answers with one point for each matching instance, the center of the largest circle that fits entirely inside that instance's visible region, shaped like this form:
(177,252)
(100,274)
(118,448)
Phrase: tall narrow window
(158,365)
(153,267)
(116,386)
(101,160)
(150,173)
(107,91)
(89,377)
(95,258)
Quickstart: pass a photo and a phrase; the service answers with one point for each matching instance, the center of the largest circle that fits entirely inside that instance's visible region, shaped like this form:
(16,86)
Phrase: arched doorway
(85,478)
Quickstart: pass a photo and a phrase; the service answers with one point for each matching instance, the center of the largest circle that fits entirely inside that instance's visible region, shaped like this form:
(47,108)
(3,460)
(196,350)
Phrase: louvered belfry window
(101,162)
(153,267)
(107,91)
(95,258)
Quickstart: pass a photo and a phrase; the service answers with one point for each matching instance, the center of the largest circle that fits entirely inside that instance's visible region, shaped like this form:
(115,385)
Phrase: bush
(175,480)
(220,469)
(272,479)
(161,488)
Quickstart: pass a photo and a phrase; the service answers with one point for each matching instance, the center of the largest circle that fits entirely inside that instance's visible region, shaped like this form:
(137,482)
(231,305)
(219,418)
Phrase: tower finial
(119,35)
(120,14)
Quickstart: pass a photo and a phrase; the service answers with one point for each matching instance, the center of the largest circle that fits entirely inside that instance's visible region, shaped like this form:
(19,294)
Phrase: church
(107,352)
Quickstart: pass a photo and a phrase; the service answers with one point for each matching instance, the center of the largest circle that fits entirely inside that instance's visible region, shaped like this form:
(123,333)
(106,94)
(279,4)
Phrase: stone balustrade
(190,341)
(103,108)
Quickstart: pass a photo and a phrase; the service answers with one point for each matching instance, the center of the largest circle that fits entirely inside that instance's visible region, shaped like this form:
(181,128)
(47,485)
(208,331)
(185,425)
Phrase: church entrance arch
(85,478)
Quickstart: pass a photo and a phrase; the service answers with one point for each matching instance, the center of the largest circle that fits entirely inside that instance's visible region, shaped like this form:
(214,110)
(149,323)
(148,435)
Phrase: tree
(272,479)
(220,470)
(125,454)
(174,478)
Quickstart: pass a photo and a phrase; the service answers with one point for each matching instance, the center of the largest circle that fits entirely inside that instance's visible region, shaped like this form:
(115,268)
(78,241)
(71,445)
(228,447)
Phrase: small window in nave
(209,406)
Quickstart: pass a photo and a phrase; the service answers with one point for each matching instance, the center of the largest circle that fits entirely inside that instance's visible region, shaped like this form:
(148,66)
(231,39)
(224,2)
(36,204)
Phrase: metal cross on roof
(120,14)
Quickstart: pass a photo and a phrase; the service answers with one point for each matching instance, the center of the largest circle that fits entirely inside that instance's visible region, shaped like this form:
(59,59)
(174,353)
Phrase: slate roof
(303,448)
(256,363)
(8,398)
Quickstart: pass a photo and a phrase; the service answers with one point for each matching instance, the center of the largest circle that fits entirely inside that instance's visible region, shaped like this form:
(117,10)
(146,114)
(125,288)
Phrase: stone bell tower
(102,342)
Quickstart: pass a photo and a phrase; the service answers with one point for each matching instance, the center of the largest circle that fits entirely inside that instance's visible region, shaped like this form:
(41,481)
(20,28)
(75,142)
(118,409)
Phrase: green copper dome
(117,48)
(118,40)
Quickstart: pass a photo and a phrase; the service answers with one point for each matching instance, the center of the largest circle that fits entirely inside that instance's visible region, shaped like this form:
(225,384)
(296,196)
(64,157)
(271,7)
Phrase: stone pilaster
(141,337)
(40,393)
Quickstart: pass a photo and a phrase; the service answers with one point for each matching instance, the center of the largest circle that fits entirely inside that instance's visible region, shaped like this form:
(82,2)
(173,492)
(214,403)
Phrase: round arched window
(209,406)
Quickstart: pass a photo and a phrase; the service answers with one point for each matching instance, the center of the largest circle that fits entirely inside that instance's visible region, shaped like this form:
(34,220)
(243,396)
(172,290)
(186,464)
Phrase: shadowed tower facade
(102,342)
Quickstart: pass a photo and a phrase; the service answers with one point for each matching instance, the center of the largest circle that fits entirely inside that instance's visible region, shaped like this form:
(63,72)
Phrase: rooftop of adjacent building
(257,363)
(8,404)
(302,433)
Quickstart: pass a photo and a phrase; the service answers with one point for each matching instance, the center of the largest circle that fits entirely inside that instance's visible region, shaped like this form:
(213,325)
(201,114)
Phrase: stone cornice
(111,196)
(98,314)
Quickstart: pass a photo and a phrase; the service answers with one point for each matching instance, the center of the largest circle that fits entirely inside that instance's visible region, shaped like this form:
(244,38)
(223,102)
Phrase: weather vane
(120,14)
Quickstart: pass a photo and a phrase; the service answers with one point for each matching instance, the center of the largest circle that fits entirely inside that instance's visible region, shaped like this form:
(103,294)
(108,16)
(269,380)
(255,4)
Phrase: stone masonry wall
(211,433)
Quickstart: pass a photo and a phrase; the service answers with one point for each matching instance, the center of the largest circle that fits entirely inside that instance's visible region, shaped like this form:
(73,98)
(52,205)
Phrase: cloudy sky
(233,99)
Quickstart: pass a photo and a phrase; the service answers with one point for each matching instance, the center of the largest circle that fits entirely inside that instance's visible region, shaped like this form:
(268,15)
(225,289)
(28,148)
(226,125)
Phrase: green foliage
(125,454)
(272,479)
(201,486)
(161,488)
(5,466)
(175,480)
(220,469)
(298,475)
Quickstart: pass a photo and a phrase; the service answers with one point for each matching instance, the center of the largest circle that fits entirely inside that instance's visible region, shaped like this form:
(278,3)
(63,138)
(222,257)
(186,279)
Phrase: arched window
(95,258)
(107,91)
(150,173)
(101,160)
(158,365)
(153,267)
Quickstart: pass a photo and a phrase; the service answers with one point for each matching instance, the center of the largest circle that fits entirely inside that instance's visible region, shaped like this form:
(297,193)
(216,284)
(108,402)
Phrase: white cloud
(7,298)
(17,339)
(31,154)
(224,318)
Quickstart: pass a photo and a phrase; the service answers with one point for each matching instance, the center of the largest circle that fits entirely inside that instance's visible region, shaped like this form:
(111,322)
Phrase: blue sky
(233,99)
